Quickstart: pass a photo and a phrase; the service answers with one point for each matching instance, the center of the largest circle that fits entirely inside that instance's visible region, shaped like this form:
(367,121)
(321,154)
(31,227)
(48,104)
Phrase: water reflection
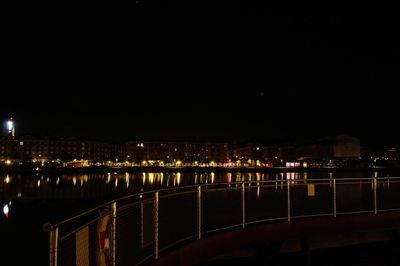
(109,184)
(99,187)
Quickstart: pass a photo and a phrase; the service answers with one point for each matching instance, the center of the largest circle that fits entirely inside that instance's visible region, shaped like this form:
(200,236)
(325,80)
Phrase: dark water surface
(33,199)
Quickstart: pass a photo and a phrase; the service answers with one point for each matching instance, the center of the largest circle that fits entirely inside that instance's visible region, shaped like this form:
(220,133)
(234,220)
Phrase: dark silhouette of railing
(137,228)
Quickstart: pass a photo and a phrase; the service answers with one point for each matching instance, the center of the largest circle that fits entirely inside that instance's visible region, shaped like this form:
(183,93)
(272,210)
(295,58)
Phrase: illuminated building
(9,128)
(338,147)
(169,152)
(330,151)
(248,151)
(391,154)
(29,148)
(333,151)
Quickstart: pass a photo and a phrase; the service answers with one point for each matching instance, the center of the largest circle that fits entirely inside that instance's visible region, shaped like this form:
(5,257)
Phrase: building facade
(249,151)
(341,147)
(166,152)
(29,148)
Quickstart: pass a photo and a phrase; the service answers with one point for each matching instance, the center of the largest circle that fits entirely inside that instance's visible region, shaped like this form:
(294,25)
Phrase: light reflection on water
(25,189)
(44,187)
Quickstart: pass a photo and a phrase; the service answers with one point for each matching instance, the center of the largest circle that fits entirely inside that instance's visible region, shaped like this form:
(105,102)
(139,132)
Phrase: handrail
(83,219)
(47,227)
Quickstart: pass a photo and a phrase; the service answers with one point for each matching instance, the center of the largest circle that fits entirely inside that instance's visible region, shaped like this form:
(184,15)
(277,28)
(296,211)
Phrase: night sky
(238,71)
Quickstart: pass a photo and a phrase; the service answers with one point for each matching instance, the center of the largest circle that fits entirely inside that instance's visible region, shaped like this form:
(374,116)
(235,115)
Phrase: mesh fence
(177,211)
(265,202)
(178,217)
(388,194)
(134,233)
(221,207)
(353,197)
(309,199)
(80,247)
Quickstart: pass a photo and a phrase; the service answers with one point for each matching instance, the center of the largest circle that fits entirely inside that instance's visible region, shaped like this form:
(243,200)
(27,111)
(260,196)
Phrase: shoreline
(83,170)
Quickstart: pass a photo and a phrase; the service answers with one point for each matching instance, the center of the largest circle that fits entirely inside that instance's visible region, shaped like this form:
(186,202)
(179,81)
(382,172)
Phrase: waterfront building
(31,148)
(340,150)
(177,153)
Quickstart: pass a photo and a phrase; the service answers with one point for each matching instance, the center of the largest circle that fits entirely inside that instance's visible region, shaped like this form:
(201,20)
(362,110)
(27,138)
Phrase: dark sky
(149,69)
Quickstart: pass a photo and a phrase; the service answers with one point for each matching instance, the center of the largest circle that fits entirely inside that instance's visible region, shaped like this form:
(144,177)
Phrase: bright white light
(10,125)
(5,210)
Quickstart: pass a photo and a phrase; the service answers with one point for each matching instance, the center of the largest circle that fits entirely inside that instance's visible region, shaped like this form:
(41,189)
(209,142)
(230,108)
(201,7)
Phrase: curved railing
(135,229)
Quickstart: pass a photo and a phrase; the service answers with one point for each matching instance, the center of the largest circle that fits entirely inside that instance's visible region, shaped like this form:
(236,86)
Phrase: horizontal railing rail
(198,210)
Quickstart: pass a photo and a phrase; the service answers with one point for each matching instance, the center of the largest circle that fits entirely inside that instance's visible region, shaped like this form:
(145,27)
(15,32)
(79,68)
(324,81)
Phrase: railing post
(156,225)
(53,246)
(114,233)
(334,198)
(243,207)
(288,200)
(141,225)
(375,199)
(199,211)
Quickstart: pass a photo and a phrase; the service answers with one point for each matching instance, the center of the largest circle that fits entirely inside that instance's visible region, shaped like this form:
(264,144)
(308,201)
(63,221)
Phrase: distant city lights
(292,164)
(6,210)
(10,126)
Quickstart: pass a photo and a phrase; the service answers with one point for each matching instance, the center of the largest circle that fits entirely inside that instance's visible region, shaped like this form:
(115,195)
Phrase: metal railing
(137,228)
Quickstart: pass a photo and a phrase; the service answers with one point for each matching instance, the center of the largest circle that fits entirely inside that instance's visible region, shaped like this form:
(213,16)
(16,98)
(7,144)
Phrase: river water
(33,199)
(38,198)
